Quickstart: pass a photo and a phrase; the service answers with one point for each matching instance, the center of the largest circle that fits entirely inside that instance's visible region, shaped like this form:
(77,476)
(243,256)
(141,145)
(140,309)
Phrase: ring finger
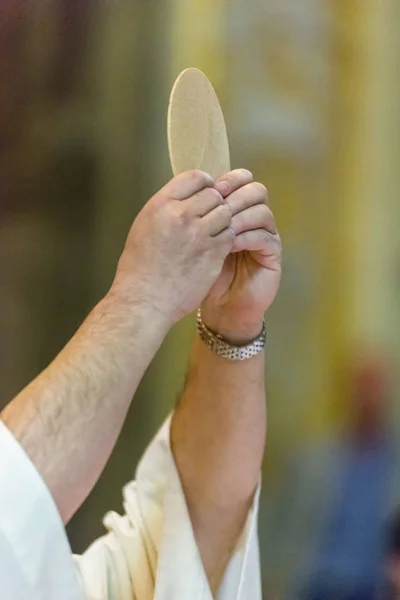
(258,216)
(217,220)
(248,195)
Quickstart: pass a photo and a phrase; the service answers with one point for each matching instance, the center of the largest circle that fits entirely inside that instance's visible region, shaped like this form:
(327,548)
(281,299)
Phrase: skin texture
(219,428)
(76,407)
(177,255)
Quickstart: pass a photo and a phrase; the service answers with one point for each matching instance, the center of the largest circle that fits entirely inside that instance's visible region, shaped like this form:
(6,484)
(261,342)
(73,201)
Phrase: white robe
(148,554)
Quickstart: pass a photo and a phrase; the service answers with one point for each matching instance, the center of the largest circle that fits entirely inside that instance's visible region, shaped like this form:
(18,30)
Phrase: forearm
(218,437)
(69,417)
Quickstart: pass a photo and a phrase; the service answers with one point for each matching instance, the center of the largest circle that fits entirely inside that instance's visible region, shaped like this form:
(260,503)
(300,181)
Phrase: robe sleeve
(35,557)
(150,553)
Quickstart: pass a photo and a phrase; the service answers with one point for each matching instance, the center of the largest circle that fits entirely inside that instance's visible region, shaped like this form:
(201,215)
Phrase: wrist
(237,331)
(136,301)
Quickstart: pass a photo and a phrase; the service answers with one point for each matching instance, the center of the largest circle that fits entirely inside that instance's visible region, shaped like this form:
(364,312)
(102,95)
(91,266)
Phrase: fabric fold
(150,553)
(33,544)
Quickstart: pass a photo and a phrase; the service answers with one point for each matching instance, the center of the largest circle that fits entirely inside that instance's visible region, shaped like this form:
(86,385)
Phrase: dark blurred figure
(337,500)
(348,564)
(349,556)
(392,562)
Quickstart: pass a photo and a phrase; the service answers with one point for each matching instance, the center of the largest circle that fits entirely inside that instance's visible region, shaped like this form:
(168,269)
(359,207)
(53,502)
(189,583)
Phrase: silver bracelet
(217,344)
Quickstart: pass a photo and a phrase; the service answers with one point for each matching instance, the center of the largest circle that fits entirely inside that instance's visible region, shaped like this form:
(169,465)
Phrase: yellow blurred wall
(336,201)
(301,339)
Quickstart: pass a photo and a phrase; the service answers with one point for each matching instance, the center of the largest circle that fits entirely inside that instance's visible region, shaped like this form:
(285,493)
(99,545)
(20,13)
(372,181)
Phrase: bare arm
(218,432)
(218,436)
(69,418)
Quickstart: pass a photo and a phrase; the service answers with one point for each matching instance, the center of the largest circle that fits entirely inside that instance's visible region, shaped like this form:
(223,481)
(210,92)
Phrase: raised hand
(250,277)
(176,247)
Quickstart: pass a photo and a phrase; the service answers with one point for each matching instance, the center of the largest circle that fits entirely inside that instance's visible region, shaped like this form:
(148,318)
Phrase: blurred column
(368,171)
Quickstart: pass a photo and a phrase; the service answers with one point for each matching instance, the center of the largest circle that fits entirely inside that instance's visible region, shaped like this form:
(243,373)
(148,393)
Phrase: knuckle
(224,214)
(270,220)
(215,195)
(228,238)
(199,177)
(178,214)
(231,236)
(241,174)
(156,202)
(265,212)
(229,177)
(237,221)
(260,189)
(238,224)
(221,212)
(184,217)
(239,243)
(270,213)
(245,174)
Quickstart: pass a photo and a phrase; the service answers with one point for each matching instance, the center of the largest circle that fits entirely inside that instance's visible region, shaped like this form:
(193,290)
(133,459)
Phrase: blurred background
(311,94)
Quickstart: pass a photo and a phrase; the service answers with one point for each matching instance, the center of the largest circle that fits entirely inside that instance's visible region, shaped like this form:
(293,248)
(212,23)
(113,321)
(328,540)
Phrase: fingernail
(222,187)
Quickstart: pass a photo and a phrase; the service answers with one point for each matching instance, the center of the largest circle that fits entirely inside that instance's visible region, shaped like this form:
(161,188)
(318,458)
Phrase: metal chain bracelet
(220,346)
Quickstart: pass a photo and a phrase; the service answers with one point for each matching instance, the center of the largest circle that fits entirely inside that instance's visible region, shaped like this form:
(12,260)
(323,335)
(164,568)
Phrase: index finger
(187,184)
(232,181)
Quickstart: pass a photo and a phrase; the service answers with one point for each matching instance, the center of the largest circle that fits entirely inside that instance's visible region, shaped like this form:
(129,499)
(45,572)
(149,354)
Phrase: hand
(176,247)
(250,277)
